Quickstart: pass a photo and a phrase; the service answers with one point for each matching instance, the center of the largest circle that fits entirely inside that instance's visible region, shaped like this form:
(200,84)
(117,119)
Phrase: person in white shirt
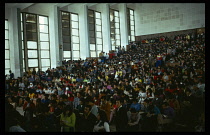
(47,91)
(142,96)
(21,85)
(52,91)
(102,124)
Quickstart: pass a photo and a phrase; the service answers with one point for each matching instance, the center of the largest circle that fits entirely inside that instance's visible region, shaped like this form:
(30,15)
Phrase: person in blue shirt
(135,105)
(149,123)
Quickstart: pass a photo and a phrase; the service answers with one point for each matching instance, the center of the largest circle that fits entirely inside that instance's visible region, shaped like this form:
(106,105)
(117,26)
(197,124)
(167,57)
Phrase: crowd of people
(153,86)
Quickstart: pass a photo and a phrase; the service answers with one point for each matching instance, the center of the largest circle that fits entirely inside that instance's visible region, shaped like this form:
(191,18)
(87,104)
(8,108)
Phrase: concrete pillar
(83,32)
(123,24)
(14,42)
(54,37)
(105,27)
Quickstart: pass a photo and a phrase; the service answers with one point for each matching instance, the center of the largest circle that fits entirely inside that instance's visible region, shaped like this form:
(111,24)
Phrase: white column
(83,32)
(106,27)
(123,24)
(54,37)
(14,42)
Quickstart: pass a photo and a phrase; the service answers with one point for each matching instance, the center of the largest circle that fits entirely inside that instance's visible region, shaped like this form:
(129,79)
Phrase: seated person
(102,124)
(87,120)
(135,105)
(133,120)
(168,113)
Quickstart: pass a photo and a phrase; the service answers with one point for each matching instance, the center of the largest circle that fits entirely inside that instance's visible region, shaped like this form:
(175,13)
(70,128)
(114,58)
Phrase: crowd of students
(153,86)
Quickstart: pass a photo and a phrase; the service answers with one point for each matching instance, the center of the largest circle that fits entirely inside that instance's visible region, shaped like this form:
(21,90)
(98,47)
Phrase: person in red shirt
(70,97)
(110,55)
(169,89)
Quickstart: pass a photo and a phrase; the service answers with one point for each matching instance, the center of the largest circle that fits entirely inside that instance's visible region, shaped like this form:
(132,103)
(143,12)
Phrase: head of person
(119,102)
(91,102)
(134,101)
(102,116)
(165,105)
(133,111)
(68,110)
(27,99)
(87,109)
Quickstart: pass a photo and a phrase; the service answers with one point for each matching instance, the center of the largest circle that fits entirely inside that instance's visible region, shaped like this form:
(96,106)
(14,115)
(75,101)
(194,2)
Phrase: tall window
(70,35)
(35,37)
(44,42)
(131,25)
(75,36)
(7,49)
(92,35)
(98,28)
(115,29)
(95,33)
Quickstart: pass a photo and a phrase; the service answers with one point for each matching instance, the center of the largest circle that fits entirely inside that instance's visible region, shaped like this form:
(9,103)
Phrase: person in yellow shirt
(137,88)
(118,73)
(68,119)
(31,95)
(107,78)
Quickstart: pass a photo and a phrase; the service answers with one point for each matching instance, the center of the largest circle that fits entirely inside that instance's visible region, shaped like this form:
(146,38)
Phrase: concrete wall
(154,18)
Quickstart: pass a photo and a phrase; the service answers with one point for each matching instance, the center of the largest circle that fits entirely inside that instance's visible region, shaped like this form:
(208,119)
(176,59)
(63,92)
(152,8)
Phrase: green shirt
(69,122)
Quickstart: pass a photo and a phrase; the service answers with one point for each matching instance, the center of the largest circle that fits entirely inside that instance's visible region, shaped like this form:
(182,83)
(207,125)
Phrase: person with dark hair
(16,127)
(46,99)
(106,106)
(94,108)
(157,100)
(135,105)
(81,106)
(133,120)
(102,124)
(88,120)
(68,120)
(168,111)
(149,123)
(121,118)
(38,108)
(28,109)
(11,74)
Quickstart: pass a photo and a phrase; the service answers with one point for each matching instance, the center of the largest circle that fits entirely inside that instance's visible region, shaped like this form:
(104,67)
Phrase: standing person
(101,55)
(150,60)
(168,113)
(121,118)
(110,55)
(150,120)
(76,100)
(88,120)
(68,119)
(159,60)
(11,74)
(135,105)
(94,109)
(28,108)
(102,124)
(106,57)
(106,106)
(133,120)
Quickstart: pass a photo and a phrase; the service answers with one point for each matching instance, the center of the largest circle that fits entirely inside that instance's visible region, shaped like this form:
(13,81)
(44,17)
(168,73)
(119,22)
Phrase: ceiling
(60,5)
